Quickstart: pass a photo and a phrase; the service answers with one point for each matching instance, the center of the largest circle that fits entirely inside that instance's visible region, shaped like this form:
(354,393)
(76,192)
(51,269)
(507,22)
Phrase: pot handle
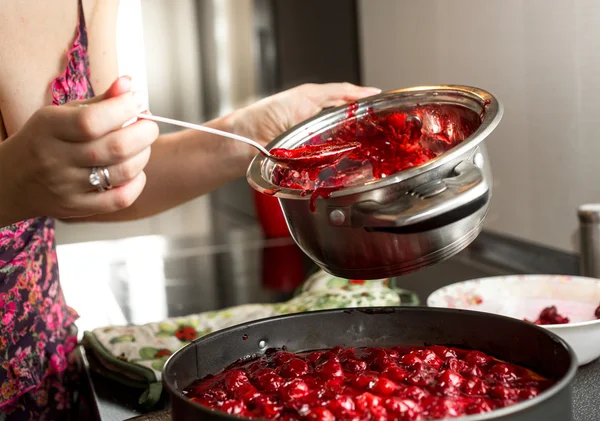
(437,202)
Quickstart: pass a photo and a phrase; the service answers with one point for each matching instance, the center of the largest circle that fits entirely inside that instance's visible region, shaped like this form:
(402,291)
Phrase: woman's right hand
(45,166)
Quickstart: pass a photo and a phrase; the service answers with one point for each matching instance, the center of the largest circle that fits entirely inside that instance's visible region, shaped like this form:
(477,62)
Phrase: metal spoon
(314,156)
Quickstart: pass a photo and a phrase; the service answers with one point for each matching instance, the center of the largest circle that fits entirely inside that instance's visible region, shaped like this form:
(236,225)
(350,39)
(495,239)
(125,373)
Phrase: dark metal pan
(505,338)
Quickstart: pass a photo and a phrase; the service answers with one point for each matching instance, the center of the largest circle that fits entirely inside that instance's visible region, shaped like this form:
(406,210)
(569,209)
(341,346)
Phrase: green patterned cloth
(135,355)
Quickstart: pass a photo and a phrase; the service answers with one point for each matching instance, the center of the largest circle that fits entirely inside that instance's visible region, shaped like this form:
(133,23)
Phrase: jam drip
(400,383)
(388,143)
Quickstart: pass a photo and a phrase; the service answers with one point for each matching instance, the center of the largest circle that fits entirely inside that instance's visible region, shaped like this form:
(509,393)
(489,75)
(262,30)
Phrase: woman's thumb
(119,87)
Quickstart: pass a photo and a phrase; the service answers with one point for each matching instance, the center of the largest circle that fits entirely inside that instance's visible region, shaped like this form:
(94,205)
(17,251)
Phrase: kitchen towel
(135,355)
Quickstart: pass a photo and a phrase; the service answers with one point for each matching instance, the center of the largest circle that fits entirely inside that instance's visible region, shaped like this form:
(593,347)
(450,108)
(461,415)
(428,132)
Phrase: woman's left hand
(268,118)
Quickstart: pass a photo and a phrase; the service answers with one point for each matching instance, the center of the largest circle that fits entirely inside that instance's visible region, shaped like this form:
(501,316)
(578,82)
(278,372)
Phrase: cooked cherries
(550,316)
(374,384)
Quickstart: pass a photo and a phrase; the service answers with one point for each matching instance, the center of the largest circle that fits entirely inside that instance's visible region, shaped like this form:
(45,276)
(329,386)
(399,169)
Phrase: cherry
(341,405)
(503,392)
(471,370)
(411,360)
(233,407)
(449,378)
(320,414)
(474,387)
(281,357)
(529,393)
(266,407)
(354,366)
(328,369)
(290,417)
(314,356)
(294,367)
(294,389)
(383,386)
(269,382)
(443,352)
(213,395)
(415,393)
(365,381)
(255,366)
(502,371)
(328,356)
(419,377)
(429,357)
(444,408)
(479,407)
(550,316)
(234,379)
(400,405)
(334,387)
(338,350)
(477,358)
(397,374)
(379,413)
(366,401)
(246,392)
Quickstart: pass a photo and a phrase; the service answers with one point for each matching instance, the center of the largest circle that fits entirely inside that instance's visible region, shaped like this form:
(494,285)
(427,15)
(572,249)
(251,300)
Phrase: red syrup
(388,143)
(344,384)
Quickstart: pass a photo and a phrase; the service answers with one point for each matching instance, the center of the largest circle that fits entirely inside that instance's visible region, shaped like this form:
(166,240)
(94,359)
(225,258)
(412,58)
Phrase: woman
(78,159)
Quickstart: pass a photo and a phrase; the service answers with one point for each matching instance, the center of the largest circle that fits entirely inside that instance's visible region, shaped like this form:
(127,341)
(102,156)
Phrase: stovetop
(147,279)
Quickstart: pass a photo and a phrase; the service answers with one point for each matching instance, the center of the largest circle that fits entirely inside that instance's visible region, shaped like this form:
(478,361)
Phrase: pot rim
(491,118)
(558,387)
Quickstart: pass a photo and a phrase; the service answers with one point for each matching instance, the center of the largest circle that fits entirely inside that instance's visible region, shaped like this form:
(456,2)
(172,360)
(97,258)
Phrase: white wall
(542,59)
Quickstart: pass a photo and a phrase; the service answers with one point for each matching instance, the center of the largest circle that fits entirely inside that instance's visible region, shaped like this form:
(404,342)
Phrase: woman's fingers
(117,146)
(118,174)
(113,200)
(94,120)
(334,94)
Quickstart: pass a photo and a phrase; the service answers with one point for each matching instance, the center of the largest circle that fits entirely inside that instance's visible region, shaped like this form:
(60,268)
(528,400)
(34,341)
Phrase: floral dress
(37,333)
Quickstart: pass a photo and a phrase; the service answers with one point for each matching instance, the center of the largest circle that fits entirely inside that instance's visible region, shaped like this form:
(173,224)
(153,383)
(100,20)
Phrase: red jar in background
(270,216)
(282,266)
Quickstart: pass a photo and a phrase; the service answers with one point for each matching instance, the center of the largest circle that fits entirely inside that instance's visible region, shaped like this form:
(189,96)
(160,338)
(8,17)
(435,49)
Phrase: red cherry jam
(400,383)
(388,142)
(550,316)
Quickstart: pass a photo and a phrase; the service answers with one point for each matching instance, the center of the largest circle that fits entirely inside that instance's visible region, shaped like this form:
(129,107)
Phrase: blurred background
(207,57)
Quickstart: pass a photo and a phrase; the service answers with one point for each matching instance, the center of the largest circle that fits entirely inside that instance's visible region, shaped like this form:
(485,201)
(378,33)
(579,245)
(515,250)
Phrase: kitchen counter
(147,279)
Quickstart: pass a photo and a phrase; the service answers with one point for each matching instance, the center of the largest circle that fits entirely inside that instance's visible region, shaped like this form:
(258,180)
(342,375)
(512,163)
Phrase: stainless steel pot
(395,225)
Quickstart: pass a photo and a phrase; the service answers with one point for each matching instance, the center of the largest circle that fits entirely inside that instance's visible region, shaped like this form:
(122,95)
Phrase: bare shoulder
(35,38)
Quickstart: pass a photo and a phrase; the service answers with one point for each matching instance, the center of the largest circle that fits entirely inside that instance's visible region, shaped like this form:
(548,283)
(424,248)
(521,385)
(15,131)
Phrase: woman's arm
(188,164)
(182,166)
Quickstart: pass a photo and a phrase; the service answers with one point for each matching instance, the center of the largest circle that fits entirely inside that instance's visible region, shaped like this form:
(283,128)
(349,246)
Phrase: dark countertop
(180,276)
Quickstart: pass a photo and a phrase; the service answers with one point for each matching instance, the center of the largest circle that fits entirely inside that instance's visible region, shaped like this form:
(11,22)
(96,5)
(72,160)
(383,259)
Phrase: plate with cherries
(569,306)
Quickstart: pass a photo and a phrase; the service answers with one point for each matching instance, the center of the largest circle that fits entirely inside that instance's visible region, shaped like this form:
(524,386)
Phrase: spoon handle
(205,129)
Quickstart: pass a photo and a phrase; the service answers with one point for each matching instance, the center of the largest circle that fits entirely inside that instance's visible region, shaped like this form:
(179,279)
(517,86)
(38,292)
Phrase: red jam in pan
(374,384)
(389,142)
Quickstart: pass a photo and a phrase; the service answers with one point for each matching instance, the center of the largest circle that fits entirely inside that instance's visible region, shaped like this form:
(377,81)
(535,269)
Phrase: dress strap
(83,40)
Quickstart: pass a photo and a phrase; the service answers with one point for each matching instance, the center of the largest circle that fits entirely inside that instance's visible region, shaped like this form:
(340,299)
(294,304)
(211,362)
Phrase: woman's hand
(268,118)
(45,166)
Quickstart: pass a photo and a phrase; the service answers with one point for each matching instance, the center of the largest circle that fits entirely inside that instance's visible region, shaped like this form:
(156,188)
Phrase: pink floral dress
(37,332)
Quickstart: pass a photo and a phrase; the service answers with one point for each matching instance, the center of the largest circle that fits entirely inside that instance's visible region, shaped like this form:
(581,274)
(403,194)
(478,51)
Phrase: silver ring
(96,180)
(107,185)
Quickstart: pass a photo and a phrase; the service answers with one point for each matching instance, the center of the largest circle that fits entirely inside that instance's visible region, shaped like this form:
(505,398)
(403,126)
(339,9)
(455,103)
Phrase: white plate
(524,296)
